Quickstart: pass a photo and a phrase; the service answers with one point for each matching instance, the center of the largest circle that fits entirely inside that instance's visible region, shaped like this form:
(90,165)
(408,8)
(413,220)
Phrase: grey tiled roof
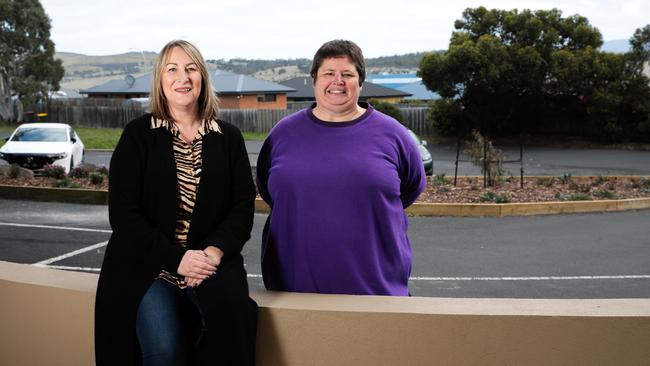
(141,85)
(304,89)
(228,83)
(222,82)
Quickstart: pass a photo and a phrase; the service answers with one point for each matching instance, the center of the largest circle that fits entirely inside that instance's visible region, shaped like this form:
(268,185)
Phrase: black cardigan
(142,206)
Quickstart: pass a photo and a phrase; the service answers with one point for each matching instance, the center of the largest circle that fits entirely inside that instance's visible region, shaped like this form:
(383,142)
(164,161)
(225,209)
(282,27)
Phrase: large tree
(28,69)
(511,71)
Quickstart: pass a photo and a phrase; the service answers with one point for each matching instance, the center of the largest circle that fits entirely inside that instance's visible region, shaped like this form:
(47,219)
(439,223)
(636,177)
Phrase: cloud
(293,29)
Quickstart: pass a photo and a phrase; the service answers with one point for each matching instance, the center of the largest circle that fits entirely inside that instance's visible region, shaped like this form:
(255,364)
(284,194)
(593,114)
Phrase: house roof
(305,89)
(228,83)
(223,83)
(418,91)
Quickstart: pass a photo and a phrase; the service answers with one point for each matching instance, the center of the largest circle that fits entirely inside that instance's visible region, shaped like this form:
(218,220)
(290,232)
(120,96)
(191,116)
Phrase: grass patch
(105,138)
(255,135)
(99,138)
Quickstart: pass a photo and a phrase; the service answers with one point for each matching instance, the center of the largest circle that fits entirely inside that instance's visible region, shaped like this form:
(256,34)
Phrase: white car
(34,145)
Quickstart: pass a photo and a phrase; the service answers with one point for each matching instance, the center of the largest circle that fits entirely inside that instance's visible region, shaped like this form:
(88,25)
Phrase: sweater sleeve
(411,171)
(139,239)
(262,171)
(234,230)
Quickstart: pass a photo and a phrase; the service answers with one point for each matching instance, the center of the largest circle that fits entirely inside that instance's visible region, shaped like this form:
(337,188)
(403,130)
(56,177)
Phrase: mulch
(469,189)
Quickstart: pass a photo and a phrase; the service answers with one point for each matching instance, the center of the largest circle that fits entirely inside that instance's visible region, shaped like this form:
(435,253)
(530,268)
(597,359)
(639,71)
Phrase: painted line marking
(71,254)
(71,268)
(55,227)
(539,278)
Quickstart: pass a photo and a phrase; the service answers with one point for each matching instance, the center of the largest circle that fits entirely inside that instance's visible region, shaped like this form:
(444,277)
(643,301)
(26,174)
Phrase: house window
(266,98)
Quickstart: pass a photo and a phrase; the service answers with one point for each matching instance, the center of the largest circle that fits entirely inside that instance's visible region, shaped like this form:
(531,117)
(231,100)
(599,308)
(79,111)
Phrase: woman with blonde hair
(172,289)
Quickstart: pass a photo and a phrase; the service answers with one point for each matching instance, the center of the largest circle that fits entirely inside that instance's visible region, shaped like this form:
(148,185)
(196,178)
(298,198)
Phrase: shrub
(82,171)
(493,197)
(566,178)
(96,178)
(479,148)
(600,180)
(102,169)
(580,197)
(605,193)
(64,182)
(439,180)
(645,183)
(54,171)
(387,108)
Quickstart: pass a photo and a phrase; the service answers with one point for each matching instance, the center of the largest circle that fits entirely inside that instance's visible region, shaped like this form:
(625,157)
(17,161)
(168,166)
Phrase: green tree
(503,67)
(28,69)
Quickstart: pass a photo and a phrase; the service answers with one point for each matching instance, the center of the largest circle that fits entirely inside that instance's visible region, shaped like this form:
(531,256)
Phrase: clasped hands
(198,265)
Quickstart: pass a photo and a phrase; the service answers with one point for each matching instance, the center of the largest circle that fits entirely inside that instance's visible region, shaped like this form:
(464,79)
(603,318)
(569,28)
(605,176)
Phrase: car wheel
(71,164)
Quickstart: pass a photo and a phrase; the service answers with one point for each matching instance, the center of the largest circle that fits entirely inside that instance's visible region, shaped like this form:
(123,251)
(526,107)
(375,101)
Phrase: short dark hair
(339,48)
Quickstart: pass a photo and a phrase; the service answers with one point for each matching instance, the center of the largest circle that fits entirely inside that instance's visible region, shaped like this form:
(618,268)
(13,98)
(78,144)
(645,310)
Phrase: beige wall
(47,320)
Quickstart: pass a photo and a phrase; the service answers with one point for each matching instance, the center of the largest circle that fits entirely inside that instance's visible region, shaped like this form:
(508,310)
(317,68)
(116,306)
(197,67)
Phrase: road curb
(100,197)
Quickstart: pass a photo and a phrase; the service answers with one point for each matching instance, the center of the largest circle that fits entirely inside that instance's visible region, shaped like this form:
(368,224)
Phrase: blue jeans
(164,324)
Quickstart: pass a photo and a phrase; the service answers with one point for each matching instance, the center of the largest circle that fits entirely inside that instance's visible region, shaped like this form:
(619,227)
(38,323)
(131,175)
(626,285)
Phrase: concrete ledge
(89,196)
(526,209)
(51,194)
(47,318)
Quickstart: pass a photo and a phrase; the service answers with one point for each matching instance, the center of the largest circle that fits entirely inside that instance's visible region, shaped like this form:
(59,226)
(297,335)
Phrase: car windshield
(40,134)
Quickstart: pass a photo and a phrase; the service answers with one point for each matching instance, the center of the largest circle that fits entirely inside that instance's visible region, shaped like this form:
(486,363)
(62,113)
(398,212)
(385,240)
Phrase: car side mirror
(424,142)
(73,140)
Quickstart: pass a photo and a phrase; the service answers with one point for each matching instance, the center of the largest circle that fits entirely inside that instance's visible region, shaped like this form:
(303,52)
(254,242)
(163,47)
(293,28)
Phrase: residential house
(234,90)
(304,91)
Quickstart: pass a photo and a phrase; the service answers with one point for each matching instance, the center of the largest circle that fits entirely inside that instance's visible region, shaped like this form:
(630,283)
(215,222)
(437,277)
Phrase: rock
(9,170)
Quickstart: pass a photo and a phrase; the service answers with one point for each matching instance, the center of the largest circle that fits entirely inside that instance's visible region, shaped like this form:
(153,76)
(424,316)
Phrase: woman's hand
(196,266)
(214,253)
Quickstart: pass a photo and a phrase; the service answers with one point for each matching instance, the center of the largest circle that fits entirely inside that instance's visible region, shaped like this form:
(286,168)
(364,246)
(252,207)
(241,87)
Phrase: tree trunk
(6,105)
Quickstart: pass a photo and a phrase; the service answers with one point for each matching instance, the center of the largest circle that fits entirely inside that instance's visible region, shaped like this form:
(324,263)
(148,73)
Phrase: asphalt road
(601,255)
(537,161)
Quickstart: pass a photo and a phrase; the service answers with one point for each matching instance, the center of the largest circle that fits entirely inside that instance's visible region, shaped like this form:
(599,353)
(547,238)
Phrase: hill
(82,71)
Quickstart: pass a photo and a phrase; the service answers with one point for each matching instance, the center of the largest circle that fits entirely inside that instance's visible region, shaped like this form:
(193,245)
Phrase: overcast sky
(269,29)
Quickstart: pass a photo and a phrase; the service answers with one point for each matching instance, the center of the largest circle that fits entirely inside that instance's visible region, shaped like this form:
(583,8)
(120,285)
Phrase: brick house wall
(253,101)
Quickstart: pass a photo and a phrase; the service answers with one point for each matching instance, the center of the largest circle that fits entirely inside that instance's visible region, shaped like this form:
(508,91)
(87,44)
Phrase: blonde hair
(208,101)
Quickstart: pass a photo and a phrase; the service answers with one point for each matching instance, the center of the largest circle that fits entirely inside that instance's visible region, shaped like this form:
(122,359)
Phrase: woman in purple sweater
(338,177)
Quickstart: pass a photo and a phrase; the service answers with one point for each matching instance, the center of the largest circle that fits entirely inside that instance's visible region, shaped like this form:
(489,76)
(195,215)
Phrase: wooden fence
(116,113)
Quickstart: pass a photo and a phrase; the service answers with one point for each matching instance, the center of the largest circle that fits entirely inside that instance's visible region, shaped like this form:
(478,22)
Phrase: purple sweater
(337,193)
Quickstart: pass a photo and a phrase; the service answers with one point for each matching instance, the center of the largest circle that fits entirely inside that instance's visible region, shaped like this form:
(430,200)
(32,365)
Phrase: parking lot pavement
(537,161)
(602,255)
